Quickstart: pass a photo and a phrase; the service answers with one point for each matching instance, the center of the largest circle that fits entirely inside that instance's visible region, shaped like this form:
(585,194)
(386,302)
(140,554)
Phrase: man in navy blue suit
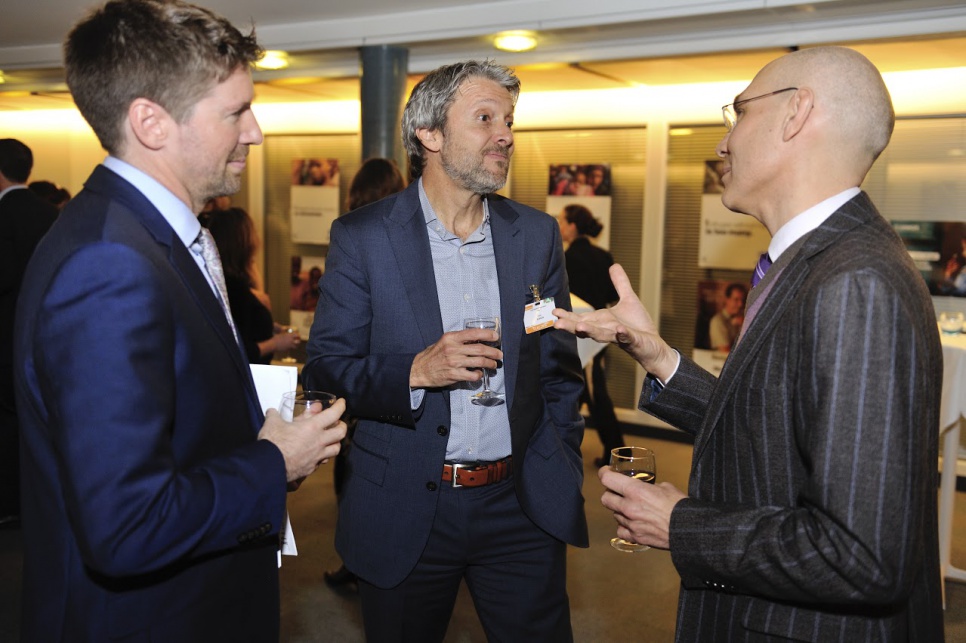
(153,487)
(440,489)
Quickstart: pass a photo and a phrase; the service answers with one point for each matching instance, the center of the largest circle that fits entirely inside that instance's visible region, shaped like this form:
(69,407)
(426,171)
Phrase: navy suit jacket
(148,502)
(812,510)
(378,309)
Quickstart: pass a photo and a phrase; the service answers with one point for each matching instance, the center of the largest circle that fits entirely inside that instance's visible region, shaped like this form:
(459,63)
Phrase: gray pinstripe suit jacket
(812,501)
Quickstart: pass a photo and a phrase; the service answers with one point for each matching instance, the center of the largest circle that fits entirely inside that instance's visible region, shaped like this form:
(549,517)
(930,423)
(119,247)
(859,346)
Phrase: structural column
(383,96)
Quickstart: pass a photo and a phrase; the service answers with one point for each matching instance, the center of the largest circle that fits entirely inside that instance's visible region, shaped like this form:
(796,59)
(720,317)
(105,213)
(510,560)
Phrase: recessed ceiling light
(515,41)
(273,59)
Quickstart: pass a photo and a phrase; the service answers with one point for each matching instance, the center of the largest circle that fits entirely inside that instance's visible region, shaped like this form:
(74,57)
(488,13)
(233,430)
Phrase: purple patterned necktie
(204,245)
(764,263)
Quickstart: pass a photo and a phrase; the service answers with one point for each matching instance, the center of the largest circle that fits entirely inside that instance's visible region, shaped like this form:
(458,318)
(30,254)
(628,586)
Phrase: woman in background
(588,272)
(234,233)
(376,179)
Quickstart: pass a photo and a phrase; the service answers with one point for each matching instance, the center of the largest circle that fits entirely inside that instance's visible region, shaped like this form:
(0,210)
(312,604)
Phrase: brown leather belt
(476,474)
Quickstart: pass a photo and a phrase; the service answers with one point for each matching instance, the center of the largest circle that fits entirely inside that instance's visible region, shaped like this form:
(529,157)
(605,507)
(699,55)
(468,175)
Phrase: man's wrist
(668,367)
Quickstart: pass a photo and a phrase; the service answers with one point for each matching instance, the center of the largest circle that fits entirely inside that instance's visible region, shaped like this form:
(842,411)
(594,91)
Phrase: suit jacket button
(442,430)
(431,486)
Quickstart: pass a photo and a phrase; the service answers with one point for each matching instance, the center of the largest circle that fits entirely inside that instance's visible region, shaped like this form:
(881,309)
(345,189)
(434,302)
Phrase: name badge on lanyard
(538,314)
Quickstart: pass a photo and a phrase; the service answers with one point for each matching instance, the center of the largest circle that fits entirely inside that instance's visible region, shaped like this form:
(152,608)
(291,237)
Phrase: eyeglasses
(731,115)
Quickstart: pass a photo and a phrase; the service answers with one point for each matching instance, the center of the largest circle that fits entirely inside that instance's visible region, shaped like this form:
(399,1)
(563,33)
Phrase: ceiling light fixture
(273,59)
(515,41)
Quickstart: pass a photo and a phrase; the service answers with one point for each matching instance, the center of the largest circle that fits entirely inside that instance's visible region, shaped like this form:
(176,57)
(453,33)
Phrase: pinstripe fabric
(812,501)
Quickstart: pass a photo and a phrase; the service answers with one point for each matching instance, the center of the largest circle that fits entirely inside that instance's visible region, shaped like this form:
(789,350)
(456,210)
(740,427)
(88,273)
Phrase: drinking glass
(638,463)
(951,323)
(295,403)
(286,357)
(486,397)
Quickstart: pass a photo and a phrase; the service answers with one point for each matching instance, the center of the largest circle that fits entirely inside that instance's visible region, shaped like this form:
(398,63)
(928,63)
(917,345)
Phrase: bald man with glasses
(811,510)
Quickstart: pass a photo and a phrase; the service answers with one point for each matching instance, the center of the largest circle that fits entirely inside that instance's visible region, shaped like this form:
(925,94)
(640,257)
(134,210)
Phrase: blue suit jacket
(378,309)
(147,500)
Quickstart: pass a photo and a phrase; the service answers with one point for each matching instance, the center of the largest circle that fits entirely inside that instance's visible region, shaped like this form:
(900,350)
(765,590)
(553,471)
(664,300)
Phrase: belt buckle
(456,467)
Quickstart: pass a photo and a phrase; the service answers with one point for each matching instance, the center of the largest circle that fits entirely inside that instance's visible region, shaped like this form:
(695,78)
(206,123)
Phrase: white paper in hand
(270,383)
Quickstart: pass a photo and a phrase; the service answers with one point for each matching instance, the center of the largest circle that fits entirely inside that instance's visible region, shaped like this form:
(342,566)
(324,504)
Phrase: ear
(430,139)
(149,122)
(799,110)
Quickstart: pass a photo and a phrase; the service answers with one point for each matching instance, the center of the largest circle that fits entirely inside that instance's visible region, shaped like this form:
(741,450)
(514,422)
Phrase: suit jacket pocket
(547,443)
(369,455)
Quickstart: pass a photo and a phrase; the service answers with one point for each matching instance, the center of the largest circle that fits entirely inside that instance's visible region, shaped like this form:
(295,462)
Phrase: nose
(504,135)
(721,149)
(252,132)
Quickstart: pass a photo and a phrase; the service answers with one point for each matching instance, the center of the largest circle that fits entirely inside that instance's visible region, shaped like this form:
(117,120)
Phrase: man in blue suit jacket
(811,509)
(439,489)
(152,492)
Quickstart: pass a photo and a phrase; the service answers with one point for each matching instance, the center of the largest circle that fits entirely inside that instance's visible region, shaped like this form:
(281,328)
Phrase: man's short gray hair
(432,96)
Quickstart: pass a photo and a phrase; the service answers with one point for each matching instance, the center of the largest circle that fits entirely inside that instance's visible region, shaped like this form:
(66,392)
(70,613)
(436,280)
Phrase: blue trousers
(515,572)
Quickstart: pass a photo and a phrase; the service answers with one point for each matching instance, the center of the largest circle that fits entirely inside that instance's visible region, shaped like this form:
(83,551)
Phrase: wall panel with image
(283,155)
(688,302)
(919,184)
(623,150)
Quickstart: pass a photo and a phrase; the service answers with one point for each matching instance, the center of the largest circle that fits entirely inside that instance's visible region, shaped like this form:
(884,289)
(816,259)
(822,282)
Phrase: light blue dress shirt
(467,286)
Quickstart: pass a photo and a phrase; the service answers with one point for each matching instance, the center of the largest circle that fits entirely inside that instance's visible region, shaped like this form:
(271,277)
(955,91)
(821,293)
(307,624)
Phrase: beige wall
(65,150)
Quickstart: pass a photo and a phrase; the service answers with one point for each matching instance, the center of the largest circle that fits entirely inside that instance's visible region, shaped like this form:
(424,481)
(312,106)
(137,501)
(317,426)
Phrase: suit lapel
(406,229)
(855,212)
(508,250)
(143,211)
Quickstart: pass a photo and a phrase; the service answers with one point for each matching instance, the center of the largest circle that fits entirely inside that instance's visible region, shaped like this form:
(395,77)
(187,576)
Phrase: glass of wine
(486,397)
(638,463)
(295,403)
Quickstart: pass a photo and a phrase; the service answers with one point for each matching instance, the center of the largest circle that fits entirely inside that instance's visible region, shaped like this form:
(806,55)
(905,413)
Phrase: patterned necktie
(204,246)
(764,263)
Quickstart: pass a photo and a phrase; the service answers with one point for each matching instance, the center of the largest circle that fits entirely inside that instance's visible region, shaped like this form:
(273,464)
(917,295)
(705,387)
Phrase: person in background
(48,191)
(439,489)
(234,232)
(724,327)
(599,180)
(24,220)
(309,296)
(376,179)
(579,186)
(953,282)
(811,512)
(587,266)
(153,487)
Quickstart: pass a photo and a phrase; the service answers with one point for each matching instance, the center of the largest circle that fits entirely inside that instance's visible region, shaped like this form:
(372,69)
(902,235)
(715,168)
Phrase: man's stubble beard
(477,178)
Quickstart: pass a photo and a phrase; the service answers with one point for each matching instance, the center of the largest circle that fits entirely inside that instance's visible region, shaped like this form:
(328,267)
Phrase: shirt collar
(434,224)
(807,221)
(19,186)
(175,211)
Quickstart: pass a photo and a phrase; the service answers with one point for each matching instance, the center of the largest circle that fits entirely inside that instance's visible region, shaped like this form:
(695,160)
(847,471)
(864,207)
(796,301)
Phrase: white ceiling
(617,43)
